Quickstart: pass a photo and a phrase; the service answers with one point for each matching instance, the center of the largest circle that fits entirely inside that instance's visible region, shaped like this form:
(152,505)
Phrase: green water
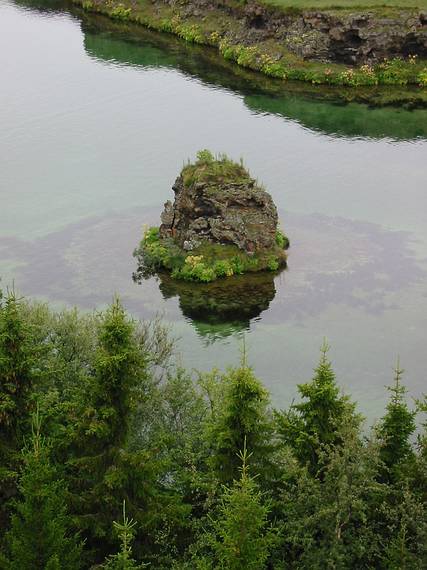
(94,129)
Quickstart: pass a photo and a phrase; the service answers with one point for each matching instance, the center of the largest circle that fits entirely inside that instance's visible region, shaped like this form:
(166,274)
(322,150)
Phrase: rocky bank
(340,47)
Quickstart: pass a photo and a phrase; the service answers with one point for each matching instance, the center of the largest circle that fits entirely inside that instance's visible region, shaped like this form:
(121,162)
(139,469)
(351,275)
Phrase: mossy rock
(222,223)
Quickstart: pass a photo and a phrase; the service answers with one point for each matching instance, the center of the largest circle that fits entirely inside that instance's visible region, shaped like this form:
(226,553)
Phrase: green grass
(215,170)
(346,4)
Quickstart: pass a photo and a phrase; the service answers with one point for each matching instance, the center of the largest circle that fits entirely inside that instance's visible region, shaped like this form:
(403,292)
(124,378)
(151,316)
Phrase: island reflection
(234,301)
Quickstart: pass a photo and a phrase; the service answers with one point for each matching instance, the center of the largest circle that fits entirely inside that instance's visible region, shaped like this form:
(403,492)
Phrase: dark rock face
(233,214)
(351,37)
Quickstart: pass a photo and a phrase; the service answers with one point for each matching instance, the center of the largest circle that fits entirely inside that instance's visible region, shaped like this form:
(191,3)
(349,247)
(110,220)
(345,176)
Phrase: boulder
(228,209)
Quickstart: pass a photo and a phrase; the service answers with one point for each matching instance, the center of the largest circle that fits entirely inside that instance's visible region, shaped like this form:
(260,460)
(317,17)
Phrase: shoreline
(240,42)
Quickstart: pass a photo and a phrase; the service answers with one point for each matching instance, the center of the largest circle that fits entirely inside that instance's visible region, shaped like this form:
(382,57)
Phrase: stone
(228,210)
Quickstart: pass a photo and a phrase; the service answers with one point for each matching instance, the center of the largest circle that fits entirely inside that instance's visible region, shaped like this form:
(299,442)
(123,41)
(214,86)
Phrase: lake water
(95,124)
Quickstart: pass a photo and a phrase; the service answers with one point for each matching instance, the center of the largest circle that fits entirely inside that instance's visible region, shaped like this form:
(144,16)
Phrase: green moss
(206,263)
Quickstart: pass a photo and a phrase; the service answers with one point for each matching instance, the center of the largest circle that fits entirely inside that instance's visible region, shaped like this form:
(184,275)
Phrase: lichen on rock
(221,223)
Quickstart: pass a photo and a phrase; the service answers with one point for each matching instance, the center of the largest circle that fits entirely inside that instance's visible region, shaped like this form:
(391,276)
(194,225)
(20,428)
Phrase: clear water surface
(96,122)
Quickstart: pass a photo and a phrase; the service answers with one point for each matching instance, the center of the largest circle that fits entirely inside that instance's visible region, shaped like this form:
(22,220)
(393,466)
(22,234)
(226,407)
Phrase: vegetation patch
(208,261)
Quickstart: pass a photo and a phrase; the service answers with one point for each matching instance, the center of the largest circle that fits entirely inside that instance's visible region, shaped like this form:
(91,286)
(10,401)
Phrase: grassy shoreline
(221,31)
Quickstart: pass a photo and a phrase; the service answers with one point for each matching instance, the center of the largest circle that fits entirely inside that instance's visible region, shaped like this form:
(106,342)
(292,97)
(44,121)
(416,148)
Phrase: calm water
(94,130)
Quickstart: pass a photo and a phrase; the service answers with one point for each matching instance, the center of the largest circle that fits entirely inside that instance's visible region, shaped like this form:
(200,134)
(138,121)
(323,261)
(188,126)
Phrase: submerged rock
(221,223)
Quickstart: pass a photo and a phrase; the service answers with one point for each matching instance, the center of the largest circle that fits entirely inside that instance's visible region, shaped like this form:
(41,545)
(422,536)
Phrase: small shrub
(205,155)
(191,34)
(237,265)
(203,273)
(394,72)
(151,235)
(193,260)
(247,56)
(251,264)
(166,25)
(214,38)
(272,264)
(120,12)
(274,70)
(223,268)
(422,77)
(281,240)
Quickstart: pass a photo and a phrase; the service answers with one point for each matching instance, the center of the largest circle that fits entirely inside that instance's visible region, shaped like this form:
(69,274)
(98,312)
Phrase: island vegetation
(340,43)
(222,223)
(112,456)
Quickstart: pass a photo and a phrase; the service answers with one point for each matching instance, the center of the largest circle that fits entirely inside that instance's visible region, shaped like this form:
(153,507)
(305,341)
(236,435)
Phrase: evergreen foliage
(123,560)
(397,427)
(242,416)
(316,421)
(101,469)
(16,380)
(241,538)
(121,423)
(324,519)
(41,537)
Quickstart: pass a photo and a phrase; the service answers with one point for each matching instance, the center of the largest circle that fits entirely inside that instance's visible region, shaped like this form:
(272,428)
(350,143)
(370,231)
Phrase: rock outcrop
(351,36)
(231,212)
(222,223)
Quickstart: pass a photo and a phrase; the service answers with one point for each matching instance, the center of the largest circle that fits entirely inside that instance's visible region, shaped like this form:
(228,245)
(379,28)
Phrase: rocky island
(221,223)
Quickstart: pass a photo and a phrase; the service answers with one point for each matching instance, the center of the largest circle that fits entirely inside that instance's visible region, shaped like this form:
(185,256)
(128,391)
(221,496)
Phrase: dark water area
(96,121)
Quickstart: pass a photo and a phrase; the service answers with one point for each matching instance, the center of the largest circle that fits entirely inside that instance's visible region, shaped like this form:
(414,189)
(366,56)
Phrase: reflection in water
(233,302)
(322,109)
(317,108)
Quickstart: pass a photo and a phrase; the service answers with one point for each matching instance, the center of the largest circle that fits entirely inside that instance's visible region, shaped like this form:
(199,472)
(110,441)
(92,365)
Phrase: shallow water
(94,130)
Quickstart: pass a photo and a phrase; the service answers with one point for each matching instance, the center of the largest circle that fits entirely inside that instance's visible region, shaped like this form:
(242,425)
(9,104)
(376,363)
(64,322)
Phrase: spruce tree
(40,537)
(420,478)
(123,559)
(100,467)
(396,428)
(16,379)
(329,522)
(243,416)
(241,538)
(316,421)
(405,539)
(405,511)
